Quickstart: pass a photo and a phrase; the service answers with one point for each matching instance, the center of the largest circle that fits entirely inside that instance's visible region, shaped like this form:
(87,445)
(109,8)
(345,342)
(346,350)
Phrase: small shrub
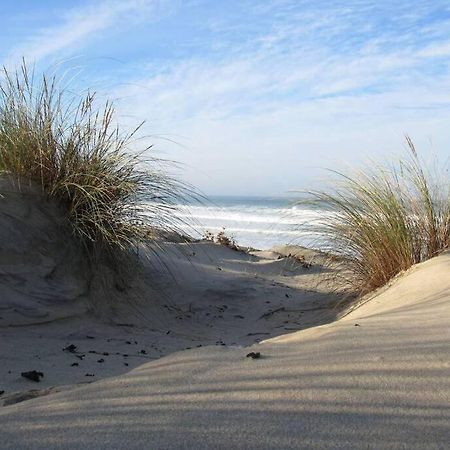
(382,220)
(301,260)
(79,157)
(221,238)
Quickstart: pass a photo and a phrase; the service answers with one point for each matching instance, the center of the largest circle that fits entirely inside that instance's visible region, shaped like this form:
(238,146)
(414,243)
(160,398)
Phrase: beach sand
(185,296)
(158,360)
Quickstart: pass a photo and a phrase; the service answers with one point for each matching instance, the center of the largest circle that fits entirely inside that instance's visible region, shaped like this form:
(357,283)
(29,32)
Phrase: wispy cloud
(261,91)
(309,88)
(77,25)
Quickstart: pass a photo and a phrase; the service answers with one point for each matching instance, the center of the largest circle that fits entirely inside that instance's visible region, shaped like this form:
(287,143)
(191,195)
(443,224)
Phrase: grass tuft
(382,220)
(79,157)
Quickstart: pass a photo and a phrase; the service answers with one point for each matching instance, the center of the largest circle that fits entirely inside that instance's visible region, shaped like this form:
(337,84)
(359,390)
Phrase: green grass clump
(382,220)
(78,156)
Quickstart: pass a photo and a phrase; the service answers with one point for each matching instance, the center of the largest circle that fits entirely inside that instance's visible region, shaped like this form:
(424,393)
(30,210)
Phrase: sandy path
(213,296)
(378,378)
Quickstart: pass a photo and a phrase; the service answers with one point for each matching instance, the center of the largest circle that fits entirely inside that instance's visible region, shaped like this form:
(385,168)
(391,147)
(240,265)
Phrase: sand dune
(189,295)
(248,300)
(43,273)
(376,378)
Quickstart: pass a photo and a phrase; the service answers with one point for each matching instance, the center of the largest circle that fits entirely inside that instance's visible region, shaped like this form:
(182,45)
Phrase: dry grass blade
(79,157)
(381,221)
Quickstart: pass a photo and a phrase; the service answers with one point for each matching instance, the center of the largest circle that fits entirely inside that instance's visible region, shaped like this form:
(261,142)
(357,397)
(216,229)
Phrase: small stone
(70,348)
(253,355)
(75,364)
(33,375)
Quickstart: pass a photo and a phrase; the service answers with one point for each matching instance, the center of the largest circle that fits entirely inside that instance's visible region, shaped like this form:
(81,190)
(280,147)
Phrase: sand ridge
(158,360)
(378,378)
(187,296)
(248,300)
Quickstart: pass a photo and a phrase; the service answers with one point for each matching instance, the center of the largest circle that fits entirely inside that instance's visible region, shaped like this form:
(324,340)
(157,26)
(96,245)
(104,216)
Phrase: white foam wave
(257,225)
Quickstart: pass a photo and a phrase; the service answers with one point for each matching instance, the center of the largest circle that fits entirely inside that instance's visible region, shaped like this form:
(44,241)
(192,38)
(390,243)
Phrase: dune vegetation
(76,154)
(385,218)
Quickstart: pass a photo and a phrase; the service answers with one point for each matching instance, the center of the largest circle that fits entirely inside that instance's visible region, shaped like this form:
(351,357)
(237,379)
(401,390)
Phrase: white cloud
(308,85)
(77,25)
(290,101)
(436,50)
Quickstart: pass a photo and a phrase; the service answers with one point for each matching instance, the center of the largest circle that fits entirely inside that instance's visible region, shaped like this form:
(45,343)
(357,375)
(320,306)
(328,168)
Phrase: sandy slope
(193,295)
(377,378)
(248,300)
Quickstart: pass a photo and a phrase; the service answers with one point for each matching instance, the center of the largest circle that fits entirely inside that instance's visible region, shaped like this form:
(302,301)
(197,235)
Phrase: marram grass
(79,158)
(384,219)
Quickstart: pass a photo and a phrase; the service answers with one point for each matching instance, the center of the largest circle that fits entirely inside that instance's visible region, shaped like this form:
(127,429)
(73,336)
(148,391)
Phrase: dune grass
(382,220)
(78,156)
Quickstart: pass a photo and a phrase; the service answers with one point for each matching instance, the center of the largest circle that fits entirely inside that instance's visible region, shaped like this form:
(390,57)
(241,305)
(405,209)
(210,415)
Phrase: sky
(252,97)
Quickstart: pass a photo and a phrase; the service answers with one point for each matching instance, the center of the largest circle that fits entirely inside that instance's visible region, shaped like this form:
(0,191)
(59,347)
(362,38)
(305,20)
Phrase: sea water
(258,222)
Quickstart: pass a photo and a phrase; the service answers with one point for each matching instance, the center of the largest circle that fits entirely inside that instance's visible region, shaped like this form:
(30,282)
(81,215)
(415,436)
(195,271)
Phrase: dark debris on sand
(33,375)
(70,348)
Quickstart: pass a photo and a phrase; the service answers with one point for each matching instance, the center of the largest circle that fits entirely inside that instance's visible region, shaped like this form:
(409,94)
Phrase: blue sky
(259,96)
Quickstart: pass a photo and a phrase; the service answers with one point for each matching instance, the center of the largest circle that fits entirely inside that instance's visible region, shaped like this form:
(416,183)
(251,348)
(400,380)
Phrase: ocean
(258,222)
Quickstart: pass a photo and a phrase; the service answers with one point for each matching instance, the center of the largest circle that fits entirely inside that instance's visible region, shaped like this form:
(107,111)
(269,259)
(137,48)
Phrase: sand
(189,295)
(375,377)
